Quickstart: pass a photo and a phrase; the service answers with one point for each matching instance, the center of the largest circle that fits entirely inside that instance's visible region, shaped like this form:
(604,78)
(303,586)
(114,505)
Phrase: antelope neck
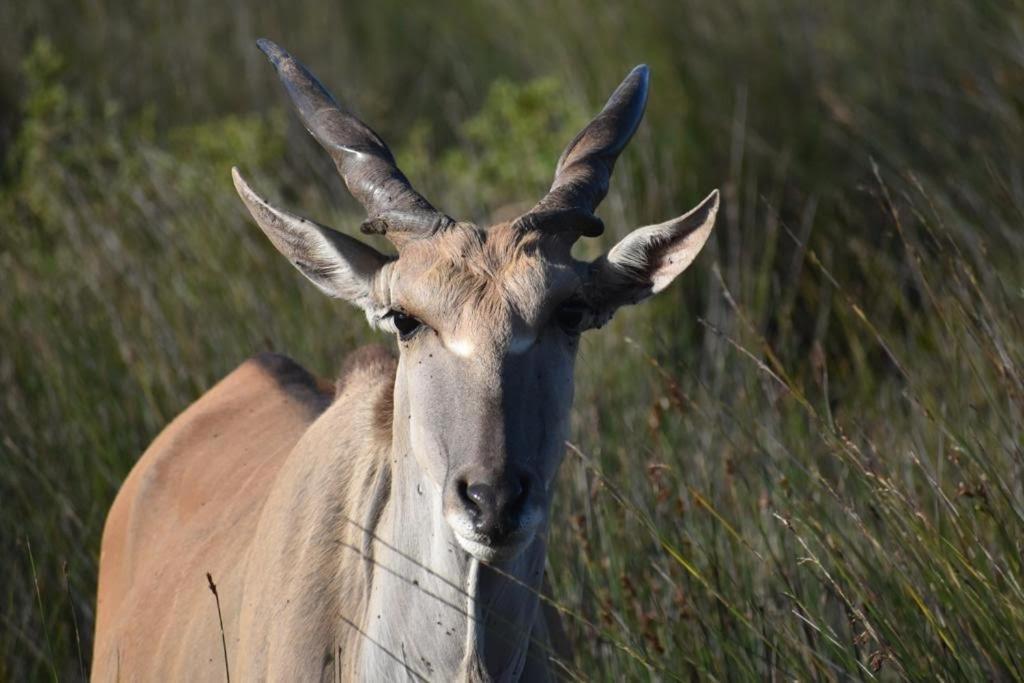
(434,612)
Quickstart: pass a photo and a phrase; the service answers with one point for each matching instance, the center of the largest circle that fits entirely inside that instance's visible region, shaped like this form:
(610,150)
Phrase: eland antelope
(392,526)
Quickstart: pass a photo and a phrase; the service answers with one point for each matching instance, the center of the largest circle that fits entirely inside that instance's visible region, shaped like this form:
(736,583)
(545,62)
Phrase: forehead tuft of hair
(486,271)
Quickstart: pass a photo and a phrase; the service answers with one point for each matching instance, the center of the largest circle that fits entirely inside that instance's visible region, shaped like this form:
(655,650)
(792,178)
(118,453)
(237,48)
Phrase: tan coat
(395,528)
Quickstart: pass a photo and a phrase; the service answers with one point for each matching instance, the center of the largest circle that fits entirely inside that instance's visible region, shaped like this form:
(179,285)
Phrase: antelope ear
(649,258)
(342,267)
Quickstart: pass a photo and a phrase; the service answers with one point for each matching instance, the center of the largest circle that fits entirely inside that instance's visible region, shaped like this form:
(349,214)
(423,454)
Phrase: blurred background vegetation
(803,461)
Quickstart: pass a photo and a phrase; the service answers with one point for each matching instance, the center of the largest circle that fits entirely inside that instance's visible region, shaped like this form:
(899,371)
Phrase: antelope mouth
(490,552)
(495,550)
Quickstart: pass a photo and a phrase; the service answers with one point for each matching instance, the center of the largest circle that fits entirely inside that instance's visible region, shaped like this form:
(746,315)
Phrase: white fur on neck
(472,668)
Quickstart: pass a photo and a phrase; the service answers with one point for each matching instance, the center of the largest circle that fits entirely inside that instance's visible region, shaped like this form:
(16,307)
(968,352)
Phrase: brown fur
(467,274)
(192,503)
(337,531)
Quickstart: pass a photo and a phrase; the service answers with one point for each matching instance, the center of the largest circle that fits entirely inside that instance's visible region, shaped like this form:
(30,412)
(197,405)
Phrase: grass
(803,461)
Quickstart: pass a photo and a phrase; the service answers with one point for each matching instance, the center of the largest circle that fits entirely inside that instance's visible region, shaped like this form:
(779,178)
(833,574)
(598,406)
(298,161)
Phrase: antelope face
(487,320)
(488,324)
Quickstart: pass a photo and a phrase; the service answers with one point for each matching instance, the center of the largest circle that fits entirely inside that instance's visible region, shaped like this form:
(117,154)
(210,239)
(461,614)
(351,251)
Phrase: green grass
(803,461)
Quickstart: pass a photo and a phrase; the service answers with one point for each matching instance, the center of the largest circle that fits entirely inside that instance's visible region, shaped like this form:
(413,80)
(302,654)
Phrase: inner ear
(339,265)
(650,258)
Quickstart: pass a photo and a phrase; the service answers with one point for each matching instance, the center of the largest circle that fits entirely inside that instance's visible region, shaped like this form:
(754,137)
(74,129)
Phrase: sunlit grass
(803,461)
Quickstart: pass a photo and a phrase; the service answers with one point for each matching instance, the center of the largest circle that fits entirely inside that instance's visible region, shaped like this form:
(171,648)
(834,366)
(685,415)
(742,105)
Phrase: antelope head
(487,319)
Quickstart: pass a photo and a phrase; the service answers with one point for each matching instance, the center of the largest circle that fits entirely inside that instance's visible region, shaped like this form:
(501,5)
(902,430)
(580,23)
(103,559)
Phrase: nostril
(522,492)
(495,505)
(515,490)
(467,500)
(516,493)
(481,497)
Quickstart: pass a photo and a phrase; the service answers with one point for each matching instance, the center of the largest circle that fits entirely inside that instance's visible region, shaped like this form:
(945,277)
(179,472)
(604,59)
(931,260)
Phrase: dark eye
(405,325)
(570,316)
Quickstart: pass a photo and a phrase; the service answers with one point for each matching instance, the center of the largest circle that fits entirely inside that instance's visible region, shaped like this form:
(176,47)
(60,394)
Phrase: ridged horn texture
(585,167)
(365,163)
